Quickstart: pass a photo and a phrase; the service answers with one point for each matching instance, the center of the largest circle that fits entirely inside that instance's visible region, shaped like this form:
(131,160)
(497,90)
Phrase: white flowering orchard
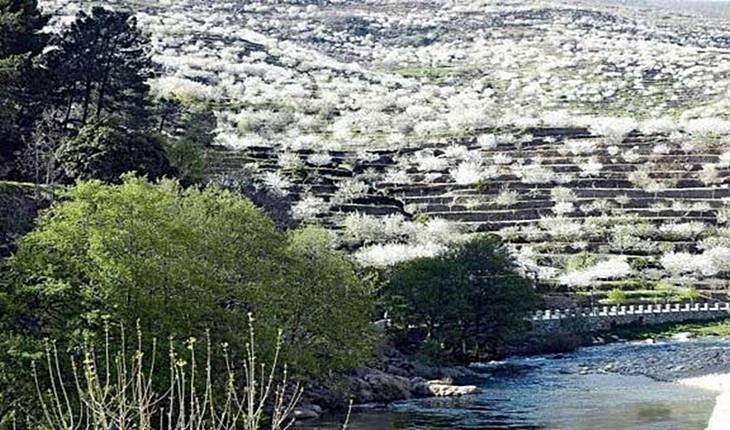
(567,128)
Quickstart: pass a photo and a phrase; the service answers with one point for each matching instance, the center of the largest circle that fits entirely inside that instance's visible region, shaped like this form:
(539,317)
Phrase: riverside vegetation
(195,261)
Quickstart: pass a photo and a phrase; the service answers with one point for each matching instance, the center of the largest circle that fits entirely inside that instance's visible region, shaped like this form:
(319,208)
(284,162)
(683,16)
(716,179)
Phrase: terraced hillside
(653,208)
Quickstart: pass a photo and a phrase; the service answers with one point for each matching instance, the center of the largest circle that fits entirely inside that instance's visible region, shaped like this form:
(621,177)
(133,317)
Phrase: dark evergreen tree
(103,63)
(20,24)
(20,42)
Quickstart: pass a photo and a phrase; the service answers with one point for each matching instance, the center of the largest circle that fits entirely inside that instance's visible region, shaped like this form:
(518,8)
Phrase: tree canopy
(105,152)
(20,41)
(183,261)
(471,300)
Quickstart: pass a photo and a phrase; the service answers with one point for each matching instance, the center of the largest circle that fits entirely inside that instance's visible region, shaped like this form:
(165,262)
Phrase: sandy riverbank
(720,382)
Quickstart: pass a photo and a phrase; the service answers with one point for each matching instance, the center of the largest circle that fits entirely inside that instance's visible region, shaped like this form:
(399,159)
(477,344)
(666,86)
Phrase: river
(571,393)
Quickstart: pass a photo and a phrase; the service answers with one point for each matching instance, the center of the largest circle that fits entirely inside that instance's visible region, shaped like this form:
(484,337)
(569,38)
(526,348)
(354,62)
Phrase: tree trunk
(102,94)
(105,79)
(87,101)
(69,106)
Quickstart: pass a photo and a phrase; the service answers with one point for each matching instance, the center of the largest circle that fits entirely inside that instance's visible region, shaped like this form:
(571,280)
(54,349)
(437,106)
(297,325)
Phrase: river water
(547,393)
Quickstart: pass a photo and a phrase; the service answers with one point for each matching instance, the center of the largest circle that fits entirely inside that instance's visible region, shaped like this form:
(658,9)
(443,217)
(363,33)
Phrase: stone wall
(608,317)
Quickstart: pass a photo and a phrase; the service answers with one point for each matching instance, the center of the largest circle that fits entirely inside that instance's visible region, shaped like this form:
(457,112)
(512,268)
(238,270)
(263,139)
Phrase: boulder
(443,389)
(387,388)
(308,412)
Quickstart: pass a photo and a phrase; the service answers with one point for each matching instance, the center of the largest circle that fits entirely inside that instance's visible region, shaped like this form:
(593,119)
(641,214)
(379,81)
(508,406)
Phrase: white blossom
(309,208)
(614,268)
(392,254)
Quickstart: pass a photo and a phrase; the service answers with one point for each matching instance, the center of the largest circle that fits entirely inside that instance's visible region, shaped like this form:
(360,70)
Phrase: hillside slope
(570,128)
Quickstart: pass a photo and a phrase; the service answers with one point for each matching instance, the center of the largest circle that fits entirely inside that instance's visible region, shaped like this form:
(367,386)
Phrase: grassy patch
(434,72)
(701,329)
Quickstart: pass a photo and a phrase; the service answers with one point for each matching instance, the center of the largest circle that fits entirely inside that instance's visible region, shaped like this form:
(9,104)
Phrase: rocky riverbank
(397,377)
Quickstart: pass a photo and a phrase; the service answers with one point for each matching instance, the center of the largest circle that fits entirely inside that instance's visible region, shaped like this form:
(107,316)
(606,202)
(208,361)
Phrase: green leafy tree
(17,352)
(20,24)
(472,299)
(189,132)
(179,261)
(428,291)
(499,297)
(323,304)
(188,160)
(105,152)
(103,63)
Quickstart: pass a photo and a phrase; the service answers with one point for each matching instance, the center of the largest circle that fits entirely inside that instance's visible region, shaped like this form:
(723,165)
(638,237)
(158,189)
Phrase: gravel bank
(663,360)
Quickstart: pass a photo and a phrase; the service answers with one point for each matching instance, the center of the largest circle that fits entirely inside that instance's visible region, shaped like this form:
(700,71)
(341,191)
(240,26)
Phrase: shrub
(104,152)
(188,161)
(324,303)
(688,293)
(617,296)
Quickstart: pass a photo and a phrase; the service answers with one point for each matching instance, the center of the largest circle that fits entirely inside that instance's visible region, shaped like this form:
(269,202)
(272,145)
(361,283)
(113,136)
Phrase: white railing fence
(608,311)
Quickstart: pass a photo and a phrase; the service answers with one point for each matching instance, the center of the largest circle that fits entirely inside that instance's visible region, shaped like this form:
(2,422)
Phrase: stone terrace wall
(608,317)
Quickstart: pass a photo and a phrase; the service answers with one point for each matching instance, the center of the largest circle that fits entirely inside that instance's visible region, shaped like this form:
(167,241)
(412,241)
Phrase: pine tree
(20,42)
(103,61)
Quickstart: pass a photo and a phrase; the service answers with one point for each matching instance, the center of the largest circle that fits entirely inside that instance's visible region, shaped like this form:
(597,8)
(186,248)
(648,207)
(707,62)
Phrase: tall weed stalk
(115,390)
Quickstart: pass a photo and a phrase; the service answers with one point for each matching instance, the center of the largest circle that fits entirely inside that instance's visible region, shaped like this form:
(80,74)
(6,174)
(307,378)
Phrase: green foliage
(472,299)
(195,124)
(325,304)
(428,291)
(700,328)
(104,152)
(666,290)
(640,264)
(432,351)
(188,160)
(20,42)
(616,296)
(150,252)
(180,261)
(18,208)
(198,126)
(17,352)
(688,293)
(580,261)
(482,187)
(421,218)
(20,23)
